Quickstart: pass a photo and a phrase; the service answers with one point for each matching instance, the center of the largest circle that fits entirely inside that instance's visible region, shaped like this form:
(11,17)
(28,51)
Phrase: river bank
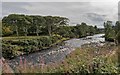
(13,47)
(87,59)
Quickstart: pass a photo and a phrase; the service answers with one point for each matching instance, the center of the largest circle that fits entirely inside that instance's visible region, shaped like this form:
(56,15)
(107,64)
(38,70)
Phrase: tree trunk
(16,28)
(49,30)
(25,31)
(37,31)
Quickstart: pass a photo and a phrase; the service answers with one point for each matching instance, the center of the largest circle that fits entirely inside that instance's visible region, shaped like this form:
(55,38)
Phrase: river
(58,53)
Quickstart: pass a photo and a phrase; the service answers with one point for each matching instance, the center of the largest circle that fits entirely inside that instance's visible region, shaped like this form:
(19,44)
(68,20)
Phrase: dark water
(58,53)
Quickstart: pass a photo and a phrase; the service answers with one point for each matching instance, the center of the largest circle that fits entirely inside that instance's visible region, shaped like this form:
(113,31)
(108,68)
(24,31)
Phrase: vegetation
(15,24)
(112,33)
(0,28)
(23,34)
(29,25)
(12,46)
(83,60)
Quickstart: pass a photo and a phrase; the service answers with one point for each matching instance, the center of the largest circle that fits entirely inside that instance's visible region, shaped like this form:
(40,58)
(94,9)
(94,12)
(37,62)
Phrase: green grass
(22,37)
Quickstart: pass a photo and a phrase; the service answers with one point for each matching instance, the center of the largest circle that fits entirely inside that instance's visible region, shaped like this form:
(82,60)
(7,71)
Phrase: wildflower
(42,62)
(25,62)
(1,61)
(21,62)
(16,63)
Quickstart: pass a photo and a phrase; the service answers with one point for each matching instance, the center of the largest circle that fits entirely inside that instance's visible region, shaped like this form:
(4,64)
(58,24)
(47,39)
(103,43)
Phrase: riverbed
(58,53)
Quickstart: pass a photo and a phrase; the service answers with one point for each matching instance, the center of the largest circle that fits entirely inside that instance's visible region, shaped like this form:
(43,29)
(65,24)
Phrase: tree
(53,22)
(82,29)
(118,37)
(13,21)
(91,30)
(6,31)
(23,21)
(96,29)
(49,23)
(117,31)
(59,21)
(117,27)
(0,28)
(109,31)
(40,24)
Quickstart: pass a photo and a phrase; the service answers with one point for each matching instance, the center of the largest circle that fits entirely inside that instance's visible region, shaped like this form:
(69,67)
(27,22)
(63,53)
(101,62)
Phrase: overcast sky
(94,13)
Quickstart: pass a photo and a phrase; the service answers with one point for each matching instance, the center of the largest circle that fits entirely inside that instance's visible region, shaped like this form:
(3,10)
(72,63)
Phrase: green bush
(11,47)
(8,51)
(118,37)
(6,30)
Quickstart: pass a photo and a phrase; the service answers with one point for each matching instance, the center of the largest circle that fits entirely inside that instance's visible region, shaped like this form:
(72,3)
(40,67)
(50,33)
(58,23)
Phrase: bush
(11,47)
(118,37)
(6,31)
(8,51)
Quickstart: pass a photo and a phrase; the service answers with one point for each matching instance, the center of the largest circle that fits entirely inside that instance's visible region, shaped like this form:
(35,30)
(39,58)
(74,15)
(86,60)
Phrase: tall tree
(109,31)
(12,19)
(53,22)
(117,31)
(39,22)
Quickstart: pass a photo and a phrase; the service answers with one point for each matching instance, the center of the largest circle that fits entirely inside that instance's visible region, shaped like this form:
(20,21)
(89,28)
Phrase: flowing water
(58,53)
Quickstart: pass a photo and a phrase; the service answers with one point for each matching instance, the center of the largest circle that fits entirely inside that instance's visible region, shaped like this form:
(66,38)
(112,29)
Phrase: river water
(58,53)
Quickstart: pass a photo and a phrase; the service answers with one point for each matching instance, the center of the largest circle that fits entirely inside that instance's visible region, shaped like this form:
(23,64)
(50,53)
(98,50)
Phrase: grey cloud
(119,11)
(0,10)
(13,7)
(77,12)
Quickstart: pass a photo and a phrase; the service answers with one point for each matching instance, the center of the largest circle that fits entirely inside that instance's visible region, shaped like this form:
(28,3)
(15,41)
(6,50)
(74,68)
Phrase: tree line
(26,25)
(112,32)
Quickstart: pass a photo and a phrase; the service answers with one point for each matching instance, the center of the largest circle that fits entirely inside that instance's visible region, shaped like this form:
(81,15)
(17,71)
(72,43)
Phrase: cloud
(60,0)
(13,7)
(94,13)
(0,10)
(119,11)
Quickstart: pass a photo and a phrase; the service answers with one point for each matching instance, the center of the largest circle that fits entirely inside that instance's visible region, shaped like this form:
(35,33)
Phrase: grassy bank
(85,60)
(15,46)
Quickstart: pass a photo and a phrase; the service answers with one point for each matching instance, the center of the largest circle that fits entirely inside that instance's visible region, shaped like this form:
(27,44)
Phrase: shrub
(26,46)
(7,51)
(118,37)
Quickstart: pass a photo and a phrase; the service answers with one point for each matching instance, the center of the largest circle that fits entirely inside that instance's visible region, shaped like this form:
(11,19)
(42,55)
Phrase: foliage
(33,25)
(14,47)
(112,33)
(109,31)
(7,31)
(0,28)
(118,37)
(81,61)
(80,30)
(26,25)
(117,30)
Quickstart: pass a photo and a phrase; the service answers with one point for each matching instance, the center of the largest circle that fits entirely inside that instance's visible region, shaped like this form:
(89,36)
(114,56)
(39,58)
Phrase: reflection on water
(58,53)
